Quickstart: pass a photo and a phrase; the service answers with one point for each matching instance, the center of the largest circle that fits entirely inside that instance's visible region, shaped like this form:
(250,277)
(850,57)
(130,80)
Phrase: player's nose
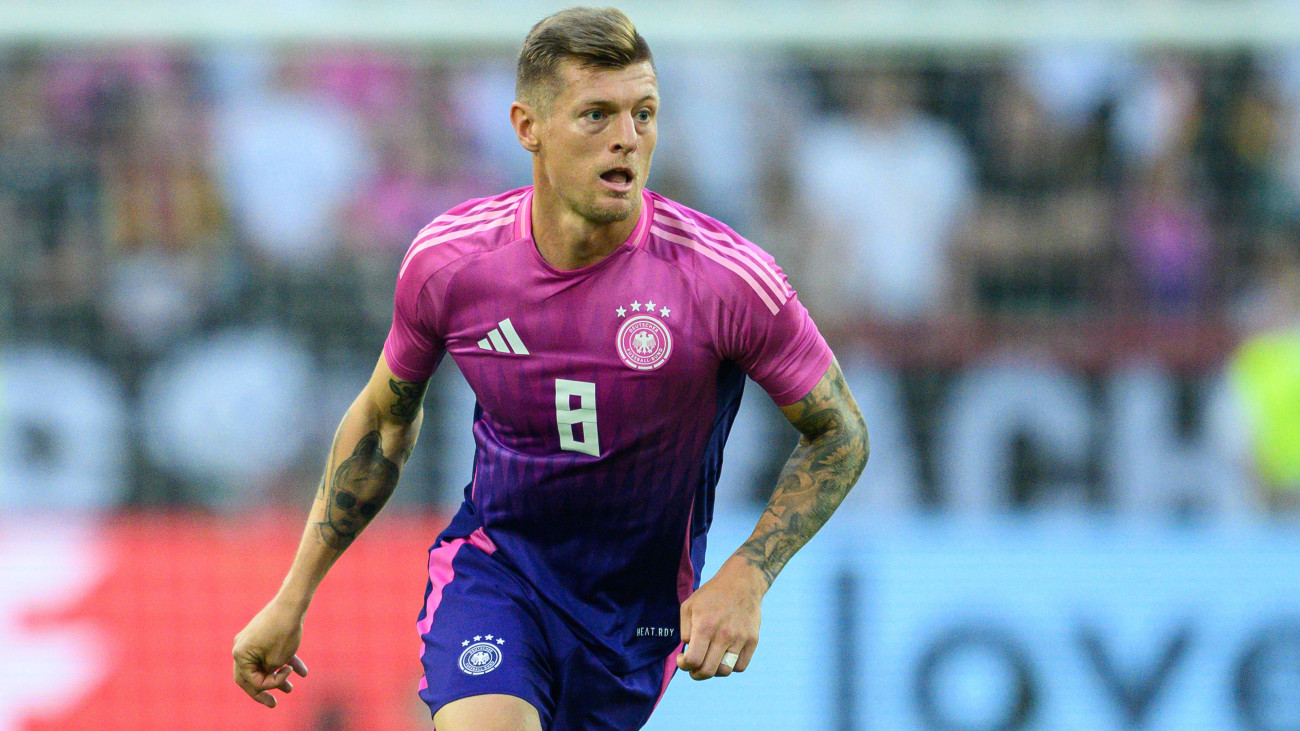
(625,134)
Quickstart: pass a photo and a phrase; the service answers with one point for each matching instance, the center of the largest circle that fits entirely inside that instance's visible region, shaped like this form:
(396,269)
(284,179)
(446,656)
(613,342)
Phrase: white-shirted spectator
(898,182)
(289,160)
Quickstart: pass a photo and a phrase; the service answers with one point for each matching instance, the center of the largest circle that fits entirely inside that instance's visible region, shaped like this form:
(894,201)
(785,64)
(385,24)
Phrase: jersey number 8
(566,416)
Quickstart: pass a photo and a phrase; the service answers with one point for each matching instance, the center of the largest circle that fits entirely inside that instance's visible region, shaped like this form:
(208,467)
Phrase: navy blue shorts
(485,631)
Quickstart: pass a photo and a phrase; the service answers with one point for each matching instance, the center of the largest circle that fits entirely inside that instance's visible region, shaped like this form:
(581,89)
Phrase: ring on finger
(729,659)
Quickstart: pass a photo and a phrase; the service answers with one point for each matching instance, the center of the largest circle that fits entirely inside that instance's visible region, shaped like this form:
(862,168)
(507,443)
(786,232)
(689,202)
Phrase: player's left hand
(722,616)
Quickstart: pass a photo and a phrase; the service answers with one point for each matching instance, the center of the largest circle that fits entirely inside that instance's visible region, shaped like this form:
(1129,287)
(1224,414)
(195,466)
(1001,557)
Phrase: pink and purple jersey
(605,395)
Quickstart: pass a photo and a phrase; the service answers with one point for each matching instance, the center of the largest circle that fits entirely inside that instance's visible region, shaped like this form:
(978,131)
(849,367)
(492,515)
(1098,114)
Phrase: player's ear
(524,119)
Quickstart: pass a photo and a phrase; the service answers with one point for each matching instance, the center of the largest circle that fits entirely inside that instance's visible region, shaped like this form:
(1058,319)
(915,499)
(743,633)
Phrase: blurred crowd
(172,212)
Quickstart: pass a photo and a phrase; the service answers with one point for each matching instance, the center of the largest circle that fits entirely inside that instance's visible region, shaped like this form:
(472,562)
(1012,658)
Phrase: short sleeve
(782,351)
(413,348)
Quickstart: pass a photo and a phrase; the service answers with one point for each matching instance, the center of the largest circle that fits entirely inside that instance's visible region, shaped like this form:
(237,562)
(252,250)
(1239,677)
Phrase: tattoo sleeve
(355,490)
(824,466)
(409,396)
(358,489)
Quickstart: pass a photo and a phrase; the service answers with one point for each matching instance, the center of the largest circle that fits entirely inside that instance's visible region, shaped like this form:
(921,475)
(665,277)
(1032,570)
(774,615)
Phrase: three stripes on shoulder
(504,339)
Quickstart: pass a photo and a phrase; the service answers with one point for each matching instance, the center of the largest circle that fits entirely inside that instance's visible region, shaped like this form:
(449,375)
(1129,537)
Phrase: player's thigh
(483,639)
(488,713)
(592,697)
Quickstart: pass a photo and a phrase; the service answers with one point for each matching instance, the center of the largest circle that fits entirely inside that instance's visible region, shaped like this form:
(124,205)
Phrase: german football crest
(481,657)
(643,341)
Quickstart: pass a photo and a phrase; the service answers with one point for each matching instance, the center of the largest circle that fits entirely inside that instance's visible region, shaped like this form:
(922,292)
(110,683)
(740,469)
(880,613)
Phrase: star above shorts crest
(621,312)
(664,311)
(636,306)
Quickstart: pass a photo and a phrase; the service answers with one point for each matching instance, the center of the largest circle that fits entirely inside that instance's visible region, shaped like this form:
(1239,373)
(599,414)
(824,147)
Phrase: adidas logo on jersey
(504,339)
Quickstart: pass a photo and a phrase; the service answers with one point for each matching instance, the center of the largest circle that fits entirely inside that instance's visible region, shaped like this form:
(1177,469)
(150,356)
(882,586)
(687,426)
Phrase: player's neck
(568,241)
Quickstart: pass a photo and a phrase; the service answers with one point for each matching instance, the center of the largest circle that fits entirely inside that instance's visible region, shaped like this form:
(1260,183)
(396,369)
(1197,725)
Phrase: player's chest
(614,325)
(635,344)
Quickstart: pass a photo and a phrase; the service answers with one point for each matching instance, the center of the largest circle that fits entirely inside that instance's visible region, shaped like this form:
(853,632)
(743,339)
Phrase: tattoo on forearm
(409,395)
(359,488)
(820,472)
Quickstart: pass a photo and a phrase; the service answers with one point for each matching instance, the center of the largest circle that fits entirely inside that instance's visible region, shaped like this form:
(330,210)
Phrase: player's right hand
(264,653)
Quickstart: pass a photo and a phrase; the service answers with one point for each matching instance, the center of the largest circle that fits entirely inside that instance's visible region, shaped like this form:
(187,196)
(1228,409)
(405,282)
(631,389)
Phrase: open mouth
(619,178)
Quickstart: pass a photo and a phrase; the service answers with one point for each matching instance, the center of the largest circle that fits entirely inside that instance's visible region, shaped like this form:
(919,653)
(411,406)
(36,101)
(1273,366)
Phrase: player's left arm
(723,615)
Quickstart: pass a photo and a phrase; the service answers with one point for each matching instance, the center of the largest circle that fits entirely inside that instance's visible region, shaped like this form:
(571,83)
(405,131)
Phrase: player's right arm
(370,446)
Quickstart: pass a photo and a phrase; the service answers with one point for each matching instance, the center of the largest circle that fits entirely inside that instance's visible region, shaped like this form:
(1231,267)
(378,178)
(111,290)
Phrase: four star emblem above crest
(637,306)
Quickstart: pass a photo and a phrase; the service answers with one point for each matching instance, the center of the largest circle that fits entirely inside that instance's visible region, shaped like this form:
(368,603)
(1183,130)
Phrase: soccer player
(606,332)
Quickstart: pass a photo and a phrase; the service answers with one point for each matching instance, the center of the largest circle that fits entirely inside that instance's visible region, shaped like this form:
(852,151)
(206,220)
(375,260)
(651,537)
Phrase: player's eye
(594,115)
(644,115)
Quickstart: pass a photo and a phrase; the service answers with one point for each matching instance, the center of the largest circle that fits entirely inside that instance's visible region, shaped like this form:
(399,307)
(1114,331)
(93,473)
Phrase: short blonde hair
(594,37)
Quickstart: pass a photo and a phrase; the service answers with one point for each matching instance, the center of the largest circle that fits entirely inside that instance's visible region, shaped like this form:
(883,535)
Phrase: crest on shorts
(643,341)
(482,655)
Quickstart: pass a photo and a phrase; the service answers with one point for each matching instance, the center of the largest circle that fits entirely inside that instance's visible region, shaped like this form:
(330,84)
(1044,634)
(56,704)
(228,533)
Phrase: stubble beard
(601,215)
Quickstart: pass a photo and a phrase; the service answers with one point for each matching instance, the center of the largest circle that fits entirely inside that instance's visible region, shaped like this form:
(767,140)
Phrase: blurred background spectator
(893,183)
